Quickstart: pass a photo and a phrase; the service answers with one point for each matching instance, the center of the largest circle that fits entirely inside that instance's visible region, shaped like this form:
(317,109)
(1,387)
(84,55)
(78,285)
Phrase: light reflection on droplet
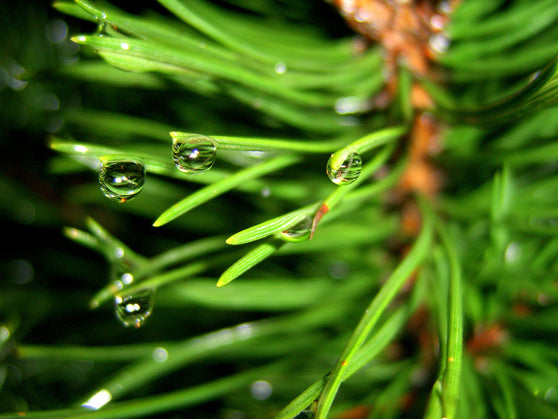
(280,68)
(348,105)
(125,45)
(244,331)
(219,338)
(438,43)
(261,390)
(4,334)
(512,253)
(127,278)
(160,355)
(98,400)
(437,22)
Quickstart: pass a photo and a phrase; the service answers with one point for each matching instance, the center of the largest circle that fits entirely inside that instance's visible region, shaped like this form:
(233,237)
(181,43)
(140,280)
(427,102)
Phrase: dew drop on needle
(193,154)
(299,232)
(344,169)
(134,309)
(121,178)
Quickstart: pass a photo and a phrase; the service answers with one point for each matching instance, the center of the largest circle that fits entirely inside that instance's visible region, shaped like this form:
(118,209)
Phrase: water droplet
(280,68)
(134,309)
(56,31)
(438,43)
(160,355)
(193,154)
(121,178)
(347,171)
(299,232)
(261,390)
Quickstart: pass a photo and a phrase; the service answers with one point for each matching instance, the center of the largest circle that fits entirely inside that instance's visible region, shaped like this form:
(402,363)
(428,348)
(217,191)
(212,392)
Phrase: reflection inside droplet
(98,400)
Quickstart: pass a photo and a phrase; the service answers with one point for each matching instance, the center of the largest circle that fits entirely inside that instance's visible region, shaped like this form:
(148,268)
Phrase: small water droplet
(280,68)
(160,355)
(438,43)
(134,309)
(299,232)
(193,154)
(121,178)
(346,172)
(261,389)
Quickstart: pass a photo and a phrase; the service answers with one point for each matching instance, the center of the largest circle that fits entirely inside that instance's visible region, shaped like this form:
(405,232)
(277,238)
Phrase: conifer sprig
(384,203)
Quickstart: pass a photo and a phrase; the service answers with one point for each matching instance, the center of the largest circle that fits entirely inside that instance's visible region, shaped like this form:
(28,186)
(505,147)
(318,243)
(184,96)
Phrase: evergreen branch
(372,314)
(369,350)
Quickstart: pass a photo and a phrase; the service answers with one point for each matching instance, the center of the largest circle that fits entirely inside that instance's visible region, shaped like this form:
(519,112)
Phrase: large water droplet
(193,154)
(299,232)
(346,172)
(121,178)
(134,309)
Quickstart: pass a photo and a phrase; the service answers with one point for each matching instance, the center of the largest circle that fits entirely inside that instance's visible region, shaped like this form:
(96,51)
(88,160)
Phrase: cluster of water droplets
(343,168)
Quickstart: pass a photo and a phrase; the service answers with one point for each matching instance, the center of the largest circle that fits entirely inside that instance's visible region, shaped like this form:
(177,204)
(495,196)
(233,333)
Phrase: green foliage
(457,322)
